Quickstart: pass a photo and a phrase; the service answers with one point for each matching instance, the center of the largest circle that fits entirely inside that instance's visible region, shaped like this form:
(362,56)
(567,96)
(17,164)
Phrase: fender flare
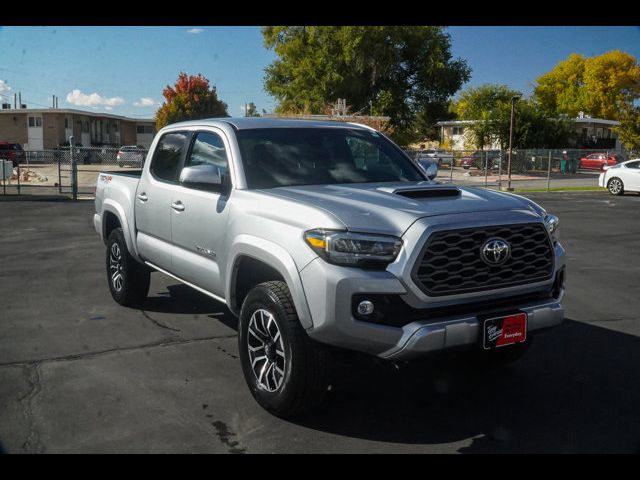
(276,257)
(117,210)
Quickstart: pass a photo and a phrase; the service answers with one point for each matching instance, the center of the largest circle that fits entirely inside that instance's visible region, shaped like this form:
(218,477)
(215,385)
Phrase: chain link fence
(528,169)
(51,172)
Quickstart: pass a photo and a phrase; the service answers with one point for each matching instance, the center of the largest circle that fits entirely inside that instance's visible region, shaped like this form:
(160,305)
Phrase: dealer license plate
(503,331)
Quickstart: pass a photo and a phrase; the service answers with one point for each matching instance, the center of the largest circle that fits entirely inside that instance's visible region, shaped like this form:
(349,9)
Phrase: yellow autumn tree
(603,86)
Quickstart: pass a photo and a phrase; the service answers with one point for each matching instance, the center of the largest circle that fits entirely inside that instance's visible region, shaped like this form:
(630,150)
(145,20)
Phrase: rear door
(199,217)
(154,197)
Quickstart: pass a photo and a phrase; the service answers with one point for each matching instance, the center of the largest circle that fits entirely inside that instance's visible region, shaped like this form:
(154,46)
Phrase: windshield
(280,157)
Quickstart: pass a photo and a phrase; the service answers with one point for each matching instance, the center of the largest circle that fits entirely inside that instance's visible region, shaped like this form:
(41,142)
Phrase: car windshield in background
(280,157)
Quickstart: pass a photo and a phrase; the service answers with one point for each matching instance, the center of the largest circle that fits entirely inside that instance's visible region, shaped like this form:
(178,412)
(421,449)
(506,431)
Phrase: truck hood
(391,208)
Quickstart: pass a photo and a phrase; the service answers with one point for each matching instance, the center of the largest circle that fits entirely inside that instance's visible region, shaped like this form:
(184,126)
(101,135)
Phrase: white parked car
(622,177)
(132,155)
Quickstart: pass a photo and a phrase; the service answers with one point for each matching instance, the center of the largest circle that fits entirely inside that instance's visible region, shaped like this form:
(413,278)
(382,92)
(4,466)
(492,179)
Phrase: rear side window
(166,158)
(633,165)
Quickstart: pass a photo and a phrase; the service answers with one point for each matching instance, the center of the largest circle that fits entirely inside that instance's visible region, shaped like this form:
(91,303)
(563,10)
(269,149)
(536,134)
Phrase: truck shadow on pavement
(576,390)
(181,299)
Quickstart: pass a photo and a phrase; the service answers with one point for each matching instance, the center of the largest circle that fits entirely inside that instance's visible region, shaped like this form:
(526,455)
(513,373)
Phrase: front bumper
(330,289)
(420,338)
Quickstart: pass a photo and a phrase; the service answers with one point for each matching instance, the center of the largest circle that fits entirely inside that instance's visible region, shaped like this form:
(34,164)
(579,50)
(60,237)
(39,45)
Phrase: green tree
(404,72)
(603,86)
(629,129)
(189,99)
(251,111)
(490,107)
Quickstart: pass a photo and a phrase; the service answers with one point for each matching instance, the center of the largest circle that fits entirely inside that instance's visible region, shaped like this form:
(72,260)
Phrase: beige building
(47,128)
(592,133)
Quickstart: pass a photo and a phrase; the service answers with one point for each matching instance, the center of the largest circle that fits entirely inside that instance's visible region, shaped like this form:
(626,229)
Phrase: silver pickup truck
(322,236)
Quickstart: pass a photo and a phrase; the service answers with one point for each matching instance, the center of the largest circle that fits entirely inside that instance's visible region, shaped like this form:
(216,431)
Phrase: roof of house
(73,111)
(602,121)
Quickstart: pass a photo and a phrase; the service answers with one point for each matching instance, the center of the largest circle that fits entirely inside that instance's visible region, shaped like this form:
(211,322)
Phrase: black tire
(133,285)
(466,167)
(503,356)
(305,363)
(615,186)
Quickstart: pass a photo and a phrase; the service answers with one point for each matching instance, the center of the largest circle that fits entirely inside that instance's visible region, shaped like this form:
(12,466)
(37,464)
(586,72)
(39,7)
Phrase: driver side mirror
(202,177)
(429,168)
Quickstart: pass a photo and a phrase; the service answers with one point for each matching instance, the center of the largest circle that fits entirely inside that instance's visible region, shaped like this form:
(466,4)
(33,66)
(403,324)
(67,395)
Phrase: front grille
(451,262)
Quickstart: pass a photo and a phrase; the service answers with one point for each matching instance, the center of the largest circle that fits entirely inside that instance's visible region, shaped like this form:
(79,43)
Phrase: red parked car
(13,152)
(596,161)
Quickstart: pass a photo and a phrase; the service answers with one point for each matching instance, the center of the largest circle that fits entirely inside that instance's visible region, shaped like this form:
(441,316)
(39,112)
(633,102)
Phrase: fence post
(451,170)
(60,173)
(18,177)
(74,169)
(549,173)
(4,179)
(486,168)
(500,171)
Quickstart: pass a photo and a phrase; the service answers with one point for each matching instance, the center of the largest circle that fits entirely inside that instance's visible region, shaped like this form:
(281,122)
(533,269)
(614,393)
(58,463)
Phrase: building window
(144,129)
(85,127)
(458,130)
(35,121)
(66,123)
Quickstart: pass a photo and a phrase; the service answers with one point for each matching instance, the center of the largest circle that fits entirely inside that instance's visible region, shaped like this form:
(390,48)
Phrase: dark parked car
(477,159)
(13,152)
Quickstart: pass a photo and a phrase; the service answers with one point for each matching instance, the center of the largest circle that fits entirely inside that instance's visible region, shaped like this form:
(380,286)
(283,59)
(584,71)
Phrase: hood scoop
(429,192)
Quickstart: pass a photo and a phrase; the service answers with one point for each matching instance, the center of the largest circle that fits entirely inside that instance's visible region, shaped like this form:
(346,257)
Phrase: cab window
(167,155)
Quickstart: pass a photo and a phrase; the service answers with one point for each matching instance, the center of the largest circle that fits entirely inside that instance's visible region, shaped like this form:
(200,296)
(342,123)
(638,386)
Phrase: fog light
(365,307)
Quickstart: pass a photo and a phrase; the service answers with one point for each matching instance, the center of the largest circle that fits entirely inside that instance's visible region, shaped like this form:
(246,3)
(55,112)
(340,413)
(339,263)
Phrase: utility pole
(513,101)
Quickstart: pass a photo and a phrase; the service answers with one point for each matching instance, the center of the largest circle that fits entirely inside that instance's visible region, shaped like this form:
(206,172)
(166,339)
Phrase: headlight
(553,227)
(354,249)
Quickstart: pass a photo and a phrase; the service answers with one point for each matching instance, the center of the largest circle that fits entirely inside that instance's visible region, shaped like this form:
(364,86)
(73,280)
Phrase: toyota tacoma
(325,235)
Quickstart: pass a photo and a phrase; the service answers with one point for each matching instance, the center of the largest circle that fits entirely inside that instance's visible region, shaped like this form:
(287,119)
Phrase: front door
(35,137)
(199,217)
(153,199)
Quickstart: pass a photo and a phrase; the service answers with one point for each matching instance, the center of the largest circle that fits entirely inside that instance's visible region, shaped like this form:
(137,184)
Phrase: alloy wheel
(266,350)
(115,267)
(615,186)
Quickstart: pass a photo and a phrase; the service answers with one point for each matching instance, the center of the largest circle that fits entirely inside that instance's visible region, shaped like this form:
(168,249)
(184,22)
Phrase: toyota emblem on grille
(495,251)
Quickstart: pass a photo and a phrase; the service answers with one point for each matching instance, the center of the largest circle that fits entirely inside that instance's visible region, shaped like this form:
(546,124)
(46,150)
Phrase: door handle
(143,197)
(178,206)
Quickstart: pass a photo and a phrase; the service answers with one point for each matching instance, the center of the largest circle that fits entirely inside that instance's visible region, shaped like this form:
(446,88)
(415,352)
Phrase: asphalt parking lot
(79,373)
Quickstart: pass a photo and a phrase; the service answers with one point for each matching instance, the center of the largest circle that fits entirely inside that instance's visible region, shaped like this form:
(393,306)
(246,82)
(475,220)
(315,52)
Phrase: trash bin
(563,162)
(574,164)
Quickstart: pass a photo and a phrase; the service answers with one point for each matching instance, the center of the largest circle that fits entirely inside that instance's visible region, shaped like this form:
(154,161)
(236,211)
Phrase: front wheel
(286,371)
(128,280)
(615,186)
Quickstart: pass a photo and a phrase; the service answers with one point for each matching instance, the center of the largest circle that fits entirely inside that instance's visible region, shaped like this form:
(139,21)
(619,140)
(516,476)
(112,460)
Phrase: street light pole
(513,101)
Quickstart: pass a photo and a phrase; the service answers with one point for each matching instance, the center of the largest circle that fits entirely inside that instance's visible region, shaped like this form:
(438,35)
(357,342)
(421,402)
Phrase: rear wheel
(615,186)
(128,280)
(286,371)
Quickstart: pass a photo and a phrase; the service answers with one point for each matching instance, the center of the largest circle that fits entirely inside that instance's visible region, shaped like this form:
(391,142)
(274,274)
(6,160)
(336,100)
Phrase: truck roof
(244,123)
